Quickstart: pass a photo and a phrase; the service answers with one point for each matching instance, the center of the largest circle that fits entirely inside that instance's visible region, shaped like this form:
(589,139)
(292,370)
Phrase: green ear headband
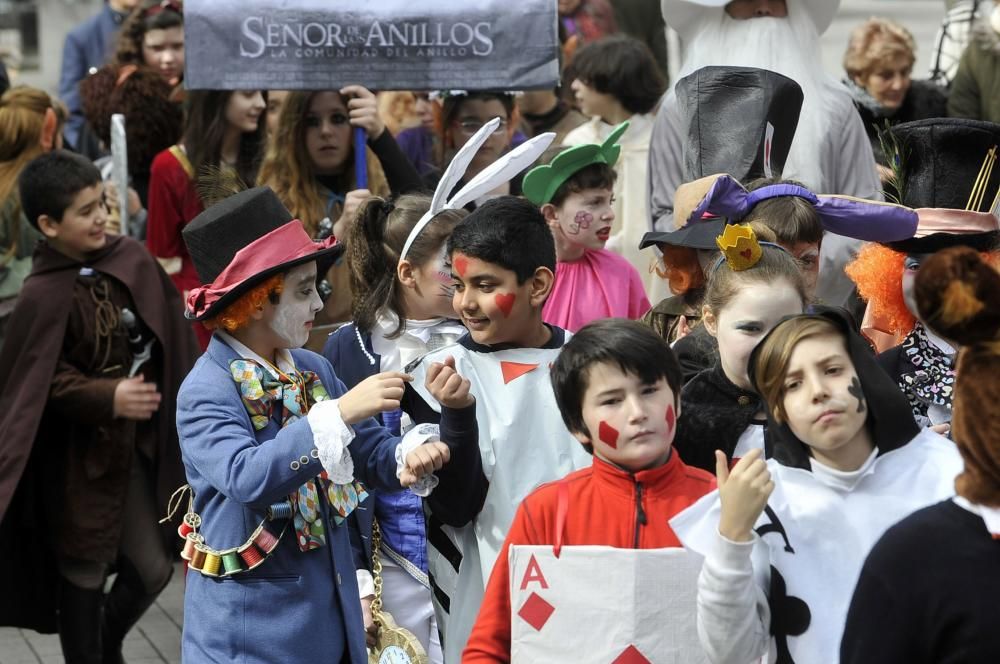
(542,182)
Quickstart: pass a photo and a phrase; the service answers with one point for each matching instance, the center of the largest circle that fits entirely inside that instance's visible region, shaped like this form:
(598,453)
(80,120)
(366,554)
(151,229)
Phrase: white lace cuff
(414,438)
(332,435)
(366,584)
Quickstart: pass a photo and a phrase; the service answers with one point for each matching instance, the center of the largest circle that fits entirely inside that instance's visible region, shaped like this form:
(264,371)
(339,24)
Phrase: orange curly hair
(238,314)
(680,267)
(878,273)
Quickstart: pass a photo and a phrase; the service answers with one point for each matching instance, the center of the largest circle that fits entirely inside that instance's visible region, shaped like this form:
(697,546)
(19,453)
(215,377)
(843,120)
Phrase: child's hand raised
(424,460)
(375,394)
(743,491)
(447,386)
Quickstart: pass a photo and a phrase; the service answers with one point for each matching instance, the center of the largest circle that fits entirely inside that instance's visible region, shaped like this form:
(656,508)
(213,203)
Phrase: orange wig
(238,314)
(680,268)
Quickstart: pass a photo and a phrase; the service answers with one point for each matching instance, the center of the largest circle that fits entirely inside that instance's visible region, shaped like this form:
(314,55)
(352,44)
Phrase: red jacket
(607,506)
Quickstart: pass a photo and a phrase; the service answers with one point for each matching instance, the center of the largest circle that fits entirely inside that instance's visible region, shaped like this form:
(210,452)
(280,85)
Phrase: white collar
(940,343)
(991,515)
(844,480)
(421,330)
(284,357)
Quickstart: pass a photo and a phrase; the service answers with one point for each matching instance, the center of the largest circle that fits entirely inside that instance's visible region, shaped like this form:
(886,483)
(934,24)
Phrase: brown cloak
(28,575)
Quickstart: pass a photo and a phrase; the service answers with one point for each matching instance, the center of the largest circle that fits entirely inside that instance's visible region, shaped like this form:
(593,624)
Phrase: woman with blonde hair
(30,124)
(310,165)
(879,61)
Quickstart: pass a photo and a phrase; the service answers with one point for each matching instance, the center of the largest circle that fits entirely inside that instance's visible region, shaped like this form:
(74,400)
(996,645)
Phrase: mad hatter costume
(737,120)
(945,170)
(272,466)
(900,612)
(600,283)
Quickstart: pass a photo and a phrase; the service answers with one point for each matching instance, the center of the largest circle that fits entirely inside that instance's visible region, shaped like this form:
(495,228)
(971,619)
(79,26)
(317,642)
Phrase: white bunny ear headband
(491,177)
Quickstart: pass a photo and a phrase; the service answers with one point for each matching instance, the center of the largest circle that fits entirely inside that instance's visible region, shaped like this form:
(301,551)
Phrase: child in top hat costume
(784,540)
(274,446)
(945,171)
(78,468)
(928,589)
(575,193)
(750,144)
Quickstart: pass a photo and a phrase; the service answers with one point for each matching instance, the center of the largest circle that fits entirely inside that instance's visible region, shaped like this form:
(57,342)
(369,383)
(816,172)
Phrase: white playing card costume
(523,443)
(603,604)
(807,550)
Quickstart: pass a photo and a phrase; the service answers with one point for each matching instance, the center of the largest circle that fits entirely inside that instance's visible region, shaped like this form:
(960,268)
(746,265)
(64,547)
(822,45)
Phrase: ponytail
(373,264)
(374,244)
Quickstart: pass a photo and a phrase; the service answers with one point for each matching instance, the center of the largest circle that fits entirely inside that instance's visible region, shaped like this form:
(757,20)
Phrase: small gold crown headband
(739,247)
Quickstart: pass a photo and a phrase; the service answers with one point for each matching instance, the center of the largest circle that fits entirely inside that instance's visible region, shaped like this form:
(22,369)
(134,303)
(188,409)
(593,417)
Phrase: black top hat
(948,163)
(737,120)
(217,236)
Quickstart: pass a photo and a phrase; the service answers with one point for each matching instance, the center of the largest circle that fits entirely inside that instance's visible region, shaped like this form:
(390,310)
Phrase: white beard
(789,46)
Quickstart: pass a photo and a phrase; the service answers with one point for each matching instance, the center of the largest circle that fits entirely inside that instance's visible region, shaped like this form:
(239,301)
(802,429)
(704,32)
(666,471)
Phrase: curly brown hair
(152,121)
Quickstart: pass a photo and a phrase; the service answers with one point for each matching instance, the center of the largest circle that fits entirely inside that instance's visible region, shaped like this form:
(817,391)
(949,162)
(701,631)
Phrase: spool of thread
(188,552)
(198,559)
(251,556)
(212,564)
(282,510)
(231,562)
(184,528)
(265,540)
(192,520)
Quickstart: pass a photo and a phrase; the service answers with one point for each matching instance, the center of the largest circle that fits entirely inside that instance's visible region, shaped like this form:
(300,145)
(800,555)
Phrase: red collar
(623,481)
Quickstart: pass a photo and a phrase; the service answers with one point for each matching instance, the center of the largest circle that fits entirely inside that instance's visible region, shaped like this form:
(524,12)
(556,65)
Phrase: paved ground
(156,639)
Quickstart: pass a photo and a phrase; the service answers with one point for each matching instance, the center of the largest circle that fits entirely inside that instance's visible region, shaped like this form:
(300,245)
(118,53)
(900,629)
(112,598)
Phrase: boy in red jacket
(617,385)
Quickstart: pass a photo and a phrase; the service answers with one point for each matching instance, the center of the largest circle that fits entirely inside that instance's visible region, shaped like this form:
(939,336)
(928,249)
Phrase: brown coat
(49,446)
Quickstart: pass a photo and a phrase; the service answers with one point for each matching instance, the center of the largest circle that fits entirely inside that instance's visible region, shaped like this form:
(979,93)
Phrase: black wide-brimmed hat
(242,241)
(736,120)
(946,168)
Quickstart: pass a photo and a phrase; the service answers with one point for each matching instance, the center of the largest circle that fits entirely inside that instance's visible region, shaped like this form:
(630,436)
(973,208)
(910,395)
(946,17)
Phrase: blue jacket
(400,513)
(297,606)
(88,45)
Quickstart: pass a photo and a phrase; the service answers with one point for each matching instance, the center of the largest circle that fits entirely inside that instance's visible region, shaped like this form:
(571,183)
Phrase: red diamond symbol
(536,611)
(631,655)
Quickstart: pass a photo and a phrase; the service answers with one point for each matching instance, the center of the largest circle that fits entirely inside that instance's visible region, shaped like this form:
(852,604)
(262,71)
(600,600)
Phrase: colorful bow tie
(261,392)
(296,392)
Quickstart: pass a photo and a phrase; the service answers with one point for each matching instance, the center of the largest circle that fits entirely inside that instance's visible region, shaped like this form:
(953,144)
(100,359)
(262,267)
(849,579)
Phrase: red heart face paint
(461,264)
(608,434)
(671,419)
(505,302)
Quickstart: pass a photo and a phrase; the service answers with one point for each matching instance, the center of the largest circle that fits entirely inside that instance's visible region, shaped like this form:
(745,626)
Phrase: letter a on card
(533,574)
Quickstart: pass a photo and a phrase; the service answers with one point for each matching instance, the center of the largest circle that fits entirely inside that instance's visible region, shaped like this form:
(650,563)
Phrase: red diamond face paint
(671,419)
(608,434)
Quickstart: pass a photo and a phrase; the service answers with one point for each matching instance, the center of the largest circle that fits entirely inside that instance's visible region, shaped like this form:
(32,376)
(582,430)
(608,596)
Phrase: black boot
(80,623)
(126,603)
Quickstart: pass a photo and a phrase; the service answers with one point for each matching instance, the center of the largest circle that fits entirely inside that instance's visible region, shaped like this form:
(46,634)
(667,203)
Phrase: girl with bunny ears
(402,309)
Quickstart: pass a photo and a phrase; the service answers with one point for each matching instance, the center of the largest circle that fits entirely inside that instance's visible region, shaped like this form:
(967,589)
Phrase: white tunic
(523,443)
(798,572)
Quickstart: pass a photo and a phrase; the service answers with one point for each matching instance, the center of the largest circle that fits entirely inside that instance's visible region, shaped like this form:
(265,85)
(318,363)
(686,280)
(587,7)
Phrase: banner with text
(387,45)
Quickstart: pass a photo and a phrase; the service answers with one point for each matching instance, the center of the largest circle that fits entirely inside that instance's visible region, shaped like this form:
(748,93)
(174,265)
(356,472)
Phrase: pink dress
(601,284)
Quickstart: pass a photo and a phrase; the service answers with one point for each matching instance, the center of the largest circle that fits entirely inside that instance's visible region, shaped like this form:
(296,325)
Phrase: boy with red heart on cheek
(502,257)
(617,384)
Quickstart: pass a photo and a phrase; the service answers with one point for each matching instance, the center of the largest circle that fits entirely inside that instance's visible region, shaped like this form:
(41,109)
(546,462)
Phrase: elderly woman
(878,62)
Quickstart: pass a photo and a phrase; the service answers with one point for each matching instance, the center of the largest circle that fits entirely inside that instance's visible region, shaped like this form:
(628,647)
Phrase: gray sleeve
(666,168)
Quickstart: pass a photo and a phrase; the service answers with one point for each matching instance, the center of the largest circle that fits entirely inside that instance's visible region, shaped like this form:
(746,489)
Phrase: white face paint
(297,306)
